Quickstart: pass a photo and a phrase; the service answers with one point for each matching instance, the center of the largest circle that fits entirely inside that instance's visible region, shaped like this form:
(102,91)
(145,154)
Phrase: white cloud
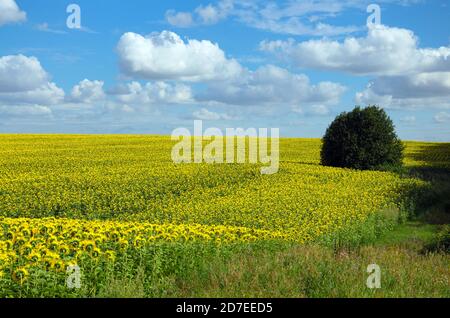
(46,94)
(289,17)
(406,76)
(152,93)
(24,81)
(296,26)
(422,90)
(202,15)
(28,110)
(442,117)
(20,73)
(384,51)
(44,27)
(205,114)
(295,17)
(165,56)
(271,85)
(179,19)
(417,85)
(10,12)
(211,14)
(87,91)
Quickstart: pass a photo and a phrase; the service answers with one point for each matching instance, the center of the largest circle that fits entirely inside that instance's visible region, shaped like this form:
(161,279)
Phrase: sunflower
(51,229)
(123,244)
(110,255)
(43,230)
(79,254)
(44,251)
(26,249)
(138,241)
(9,235)
(64,250)
(98,241)
(88,246)
(20,241)
(26,232)
(9,244)
(96,253)
(48,263)
(57,265)
(20,274)
(75,243)
(52,255)
(114,236)
(34,257)
(53,245)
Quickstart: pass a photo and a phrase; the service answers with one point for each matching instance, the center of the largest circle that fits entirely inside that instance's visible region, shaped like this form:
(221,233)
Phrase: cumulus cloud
(89,98)
(46,94)
(205,114)
(23,81)
(406,76)
(165,56)
(152,93)
(179,19)
(272,85)
(422,90)
(87,91)
(10,12)
(385,51)
(417,85)
(20,73)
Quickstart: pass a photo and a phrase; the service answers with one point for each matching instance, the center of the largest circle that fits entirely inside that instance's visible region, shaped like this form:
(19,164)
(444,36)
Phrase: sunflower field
(109,203)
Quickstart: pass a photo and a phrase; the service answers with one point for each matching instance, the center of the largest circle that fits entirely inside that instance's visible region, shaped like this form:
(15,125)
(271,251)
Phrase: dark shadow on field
(432,157)
(433,166)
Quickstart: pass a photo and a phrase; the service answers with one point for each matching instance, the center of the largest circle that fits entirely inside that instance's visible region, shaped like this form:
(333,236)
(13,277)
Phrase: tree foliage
(363,139)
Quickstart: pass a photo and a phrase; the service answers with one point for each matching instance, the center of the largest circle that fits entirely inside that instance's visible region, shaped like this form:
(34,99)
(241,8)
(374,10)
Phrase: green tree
(363,139)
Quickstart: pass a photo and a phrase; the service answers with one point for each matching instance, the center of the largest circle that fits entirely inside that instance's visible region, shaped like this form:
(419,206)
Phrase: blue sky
(152,66)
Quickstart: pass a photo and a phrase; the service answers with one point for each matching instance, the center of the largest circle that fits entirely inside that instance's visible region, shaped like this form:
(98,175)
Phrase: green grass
(269,269)
(294,271)
(411,233)
(263,269)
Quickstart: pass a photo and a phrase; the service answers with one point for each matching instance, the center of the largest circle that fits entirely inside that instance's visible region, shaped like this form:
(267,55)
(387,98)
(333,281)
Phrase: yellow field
(66,197)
